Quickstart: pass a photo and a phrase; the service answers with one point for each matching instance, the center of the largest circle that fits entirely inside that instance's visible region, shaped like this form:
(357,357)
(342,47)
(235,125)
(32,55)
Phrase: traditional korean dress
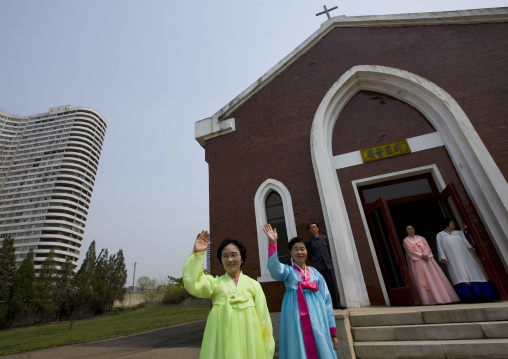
(431,283)
(466,273)
(239,324)
(306,319)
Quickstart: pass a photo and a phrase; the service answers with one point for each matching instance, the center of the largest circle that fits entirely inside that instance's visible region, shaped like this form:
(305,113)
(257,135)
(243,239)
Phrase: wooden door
(390,255)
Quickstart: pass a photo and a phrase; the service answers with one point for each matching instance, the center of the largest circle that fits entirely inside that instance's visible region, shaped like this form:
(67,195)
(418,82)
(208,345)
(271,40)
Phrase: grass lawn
(57,334)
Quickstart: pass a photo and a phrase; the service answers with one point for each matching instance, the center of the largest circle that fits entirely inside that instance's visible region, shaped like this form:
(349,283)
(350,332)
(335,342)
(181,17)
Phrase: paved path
(178,341)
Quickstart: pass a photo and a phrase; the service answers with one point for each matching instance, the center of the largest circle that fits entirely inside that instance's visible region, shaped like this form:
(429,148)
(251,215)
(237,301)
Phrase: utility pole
(134,276)
(133,281)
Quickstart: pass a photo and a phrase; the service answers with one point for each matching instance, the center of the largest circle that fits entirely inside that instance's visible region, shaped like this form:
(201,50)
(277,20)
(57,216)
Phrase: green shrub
(174,294)
(118,310)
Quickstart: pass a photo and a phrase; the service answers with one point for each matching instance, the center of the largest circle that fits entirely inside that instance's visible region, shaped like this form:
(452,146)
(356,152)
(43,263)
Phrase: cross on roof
(326,11)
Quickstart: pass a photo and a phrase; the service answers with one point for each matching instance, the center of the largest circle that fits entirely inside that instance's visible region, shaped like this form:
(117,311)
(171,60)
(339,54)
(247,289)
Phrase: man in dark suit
(319,255)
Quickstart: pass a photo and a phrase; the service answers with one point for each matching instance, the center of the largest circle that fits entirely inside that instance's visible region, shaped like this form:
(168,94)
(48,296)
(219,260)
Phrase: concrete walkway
(178,341)
(184,340)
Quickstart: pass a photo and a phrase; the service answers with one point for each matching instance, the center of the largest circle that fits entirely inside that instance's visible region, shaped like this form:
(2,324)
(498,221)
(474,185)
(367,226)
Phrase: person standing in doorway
(431,283)
(319,255)
(466,272)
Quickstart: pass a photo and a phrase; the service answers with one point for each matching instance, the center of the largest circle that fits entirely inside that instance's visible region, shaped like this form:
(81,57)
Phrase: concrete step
(440,349)
(460,313)
(453,331)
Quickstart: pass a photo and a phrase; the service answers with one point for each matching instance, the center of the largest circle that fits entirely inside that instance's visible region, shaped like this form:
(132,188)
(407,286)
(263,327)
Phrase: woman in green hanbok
(239,324)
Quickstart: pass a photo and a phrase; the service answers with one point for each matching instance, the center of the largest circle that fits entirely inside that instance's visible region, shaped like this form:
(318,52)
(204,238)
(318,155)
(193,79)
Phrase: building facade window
(272,204)
(275,217)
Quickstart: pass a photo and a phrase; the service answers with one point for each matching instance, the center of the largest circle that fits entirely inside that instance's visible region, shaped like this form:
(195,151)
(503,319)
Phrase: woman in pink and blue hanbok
(307,322)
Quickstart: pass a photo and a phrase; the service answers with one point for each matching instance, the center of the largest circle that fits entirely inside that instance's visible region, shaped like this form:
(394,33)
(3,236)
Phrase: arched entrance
(389,206)
(482,179)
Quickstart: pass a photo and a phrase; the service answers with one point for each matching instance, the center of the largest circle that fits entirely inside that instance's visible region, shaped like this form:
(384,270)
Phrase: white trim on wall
(417,143)
(259,206)
(480,175)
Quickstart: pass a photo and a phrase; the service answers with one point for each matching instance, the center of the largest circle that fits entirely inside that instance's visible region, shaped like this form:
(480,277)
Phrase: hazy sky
(152,69)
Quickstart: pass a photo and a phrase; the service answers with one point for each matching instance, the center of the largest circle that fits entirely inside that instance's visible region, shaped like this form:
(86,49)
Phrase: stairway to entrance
(447,331)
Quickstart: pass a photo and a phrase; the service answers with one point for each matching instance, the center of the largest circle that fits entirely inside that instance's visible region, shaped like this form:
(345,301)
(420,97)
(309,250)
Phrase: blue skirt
(475,290)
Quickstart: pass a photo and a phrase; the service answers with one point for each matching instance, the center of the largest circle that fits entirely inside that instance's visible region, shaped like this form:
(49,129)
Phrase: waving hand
(271,233)
(202,242)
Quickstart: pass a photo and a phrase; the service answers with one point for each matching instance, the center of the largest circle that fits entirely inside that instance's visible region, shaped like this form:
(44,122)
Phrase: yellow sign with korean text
(388,150)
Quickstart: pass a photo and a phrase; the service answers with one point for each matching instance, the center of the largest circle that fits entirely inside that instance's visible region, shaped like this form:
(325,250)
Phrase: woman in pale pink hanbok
(431,283)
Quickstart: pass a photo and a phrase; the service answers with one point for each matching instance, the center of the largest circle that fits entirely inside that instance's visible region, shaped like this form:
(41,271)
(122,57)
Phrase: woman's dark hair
(241,247)
(447,221)
(295,240)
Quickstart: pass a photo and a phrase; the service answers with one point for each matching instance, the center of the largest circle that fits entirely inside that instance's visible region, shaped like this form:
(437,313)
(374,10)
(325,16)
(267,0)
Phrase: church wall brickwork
(272,138)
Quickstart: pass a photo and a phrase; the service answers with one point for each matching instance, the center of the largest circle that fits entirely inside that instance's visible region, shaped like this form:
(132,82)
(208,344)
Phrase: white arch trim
(482,178)
(259,206)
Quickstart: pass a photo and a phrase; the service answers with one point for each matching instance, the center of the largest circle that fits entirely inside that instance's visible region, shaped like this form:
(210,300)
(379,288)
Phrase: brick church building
(371,124)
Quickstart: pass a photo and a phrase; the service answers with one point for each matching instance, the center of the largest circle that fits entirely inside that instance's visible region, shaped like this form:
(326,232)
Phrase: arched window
(273,205)
(275,217)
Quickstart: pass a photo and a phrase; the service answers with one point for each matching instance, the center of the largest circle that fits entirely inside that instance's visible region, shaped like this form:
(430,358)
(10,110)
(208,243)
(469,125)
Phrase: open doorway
(390,206)
(425,216)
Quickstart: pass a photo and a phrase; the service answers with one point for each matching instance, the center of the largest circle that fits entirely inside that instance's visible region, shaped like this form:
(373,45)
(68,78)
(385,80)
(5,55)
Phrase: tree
(46,292)
(107,280)
(175,281)
(81,283)
(65,290)
(98,281)
(117,278)
(146,283)
(7,270)
(84,276)
(23,288)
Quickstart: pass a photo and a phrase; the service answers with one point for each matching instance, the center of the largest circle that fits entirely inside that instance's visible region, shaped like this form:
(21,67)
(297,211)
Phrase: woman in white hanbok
(466,273)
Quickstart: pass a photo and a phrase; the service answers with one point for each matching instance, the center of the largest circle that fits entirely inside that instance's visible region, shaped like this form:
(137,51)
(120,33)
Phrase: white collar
(235,284)
(303,270)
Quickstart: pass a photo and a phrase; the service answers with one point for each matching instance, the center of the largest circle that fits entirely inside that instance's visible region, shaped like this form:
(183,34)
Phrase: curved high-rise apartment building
(48,164)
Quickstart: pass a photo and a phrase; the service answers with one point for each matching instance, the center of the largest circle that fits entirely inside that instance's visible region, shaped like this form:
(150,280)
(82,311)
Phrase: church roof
(212,126)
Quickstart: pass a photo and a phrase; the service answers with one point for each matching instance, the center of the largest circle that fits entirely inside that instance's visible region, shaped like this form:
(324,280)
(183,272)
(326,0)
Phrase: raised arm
(272,238)
(195,280)
(271,233)
(278,270)
(202,242)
